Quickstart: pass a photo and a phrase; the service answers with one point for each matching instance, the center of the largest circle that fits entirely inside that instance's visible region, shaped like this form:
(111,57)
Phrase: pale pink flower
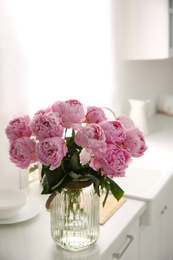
(92,138)
(18,127)
(51,151)
(22,152)
(95,115)
(135,142)
(43,111)
(115,162)
(46,124)
(126,121)
(114,131)
(71,112)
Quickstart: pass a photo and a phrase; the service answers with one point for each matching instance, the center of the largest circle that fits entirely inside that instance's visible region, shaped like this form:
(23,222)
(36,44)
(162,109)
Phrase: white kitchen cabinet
(156,241)
(149,245)
(166,238)
(149,29)
(119,236)
(127,247)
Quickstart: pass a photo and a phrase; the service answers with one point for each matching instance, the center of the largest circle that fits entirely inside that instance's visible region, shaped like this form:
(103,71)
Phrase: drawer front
(128,245)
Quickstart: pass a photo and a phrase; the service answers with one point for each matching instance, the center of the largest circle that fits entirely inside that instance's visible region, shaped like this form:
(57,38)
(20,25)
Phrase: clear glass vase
(75,217)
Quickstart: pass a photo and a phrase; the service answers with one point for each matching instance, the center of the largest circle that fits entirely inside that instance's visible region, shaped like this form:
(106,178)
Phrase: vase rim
(76,185)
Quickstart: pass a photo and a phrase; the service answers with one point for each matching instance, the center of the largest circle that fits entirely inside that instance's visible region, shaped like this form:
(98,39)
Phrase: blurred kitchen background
(54,50)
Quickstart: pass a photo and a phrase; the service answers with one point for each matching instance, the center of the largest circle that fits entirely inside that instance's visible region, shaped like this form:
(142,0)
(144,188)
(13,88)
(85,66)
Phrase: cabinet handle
(119,255)
(163,210)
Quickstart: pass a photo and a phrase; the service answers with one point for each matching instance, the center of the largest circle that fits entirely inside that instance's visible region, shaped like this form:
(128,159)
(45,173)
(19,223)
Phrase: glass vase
(75,216)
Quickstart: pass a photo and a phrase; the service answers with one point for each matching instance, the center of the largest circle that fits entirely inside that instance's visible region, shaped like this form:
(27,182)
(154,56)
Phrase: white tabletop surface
(31,239)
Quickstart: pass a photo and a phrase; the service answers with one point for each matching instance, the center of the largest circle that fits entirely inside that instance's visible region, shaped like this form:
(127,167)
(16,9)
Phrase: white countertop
(32,240)
(160,132)
(160,145)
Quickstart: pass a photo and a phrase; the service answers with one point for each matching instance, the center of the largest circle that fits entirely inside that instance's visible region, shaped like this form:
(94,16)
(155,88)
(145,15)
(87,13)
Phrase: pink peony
(22,152)
(95,115)
(18,127)
(135,142)
(126,121)
(51,151)
(43,111)
(114,131)
(46,124)
(71,112)
(92,138)
(114,163)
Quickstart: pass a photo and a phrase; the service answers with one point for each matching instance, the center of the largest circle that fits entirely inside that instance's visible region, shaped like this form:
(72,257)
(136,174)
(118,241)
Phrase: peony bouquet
(75,143)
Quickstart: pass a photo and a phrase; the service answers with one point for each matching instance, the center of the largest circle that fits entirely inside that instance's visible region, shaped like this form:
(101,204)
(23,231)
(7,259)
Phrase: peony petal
(85,156)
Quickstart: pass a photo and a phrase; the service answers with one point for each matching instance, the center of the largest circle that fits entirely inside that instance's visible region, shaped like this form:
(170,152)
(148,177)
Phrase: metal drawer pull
(119,255)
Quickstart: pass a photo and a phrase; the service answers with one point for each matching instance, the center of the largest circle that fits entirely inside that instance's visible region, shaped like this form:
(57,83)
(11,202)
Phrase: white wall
(144,80)
(52,50)
(66,49)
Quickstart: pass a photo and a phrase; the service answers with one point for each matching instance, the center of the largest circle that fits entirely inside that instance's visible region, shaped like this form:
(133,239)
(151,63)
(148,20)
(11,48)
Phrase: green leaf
(65,182)
(105,198)
(64,164)
(106,186)
(75,175)
(102,180)
(45,187)
(59,183)
(115,189)
(73,134)
(74,162)
(96,183)
(43,170)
